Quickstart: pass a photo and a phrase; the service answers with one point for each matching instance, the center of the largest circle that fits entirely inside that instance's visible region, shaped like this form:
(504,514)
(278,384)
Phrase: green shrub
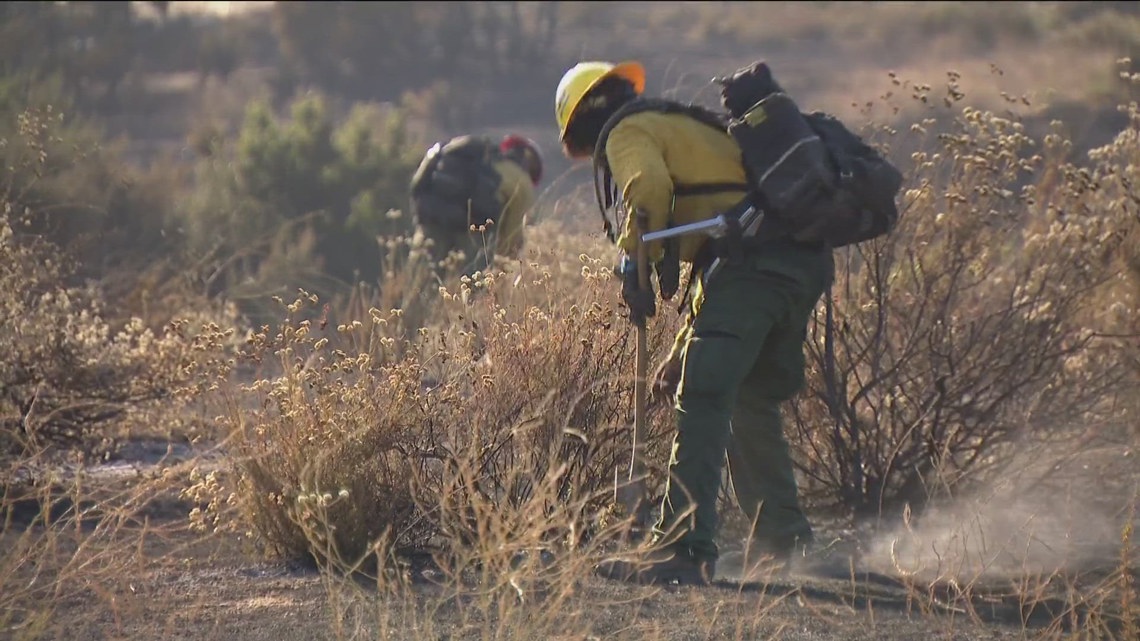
(301,203)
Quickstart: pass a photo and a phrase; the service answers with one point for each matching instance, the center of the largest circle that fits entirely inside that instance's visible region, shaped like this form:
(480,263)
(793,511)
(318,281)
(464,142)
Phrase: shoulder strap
(659,105)
(426,167)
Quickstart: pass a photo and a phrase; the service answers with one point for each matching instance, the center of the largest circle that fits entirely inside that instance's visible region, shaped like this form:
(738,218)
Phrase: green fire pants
(743,358)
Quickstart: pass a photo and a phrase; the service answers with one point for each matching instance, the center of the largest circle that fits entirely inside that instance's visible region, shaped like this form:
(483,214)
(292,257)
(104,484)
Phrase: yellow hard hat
(583,77)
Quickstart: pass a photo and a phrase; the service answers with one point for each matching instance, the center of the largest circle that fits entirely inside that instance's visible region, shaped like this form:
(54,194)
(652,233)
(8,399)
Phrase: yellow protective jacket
(516,193)
(647,153)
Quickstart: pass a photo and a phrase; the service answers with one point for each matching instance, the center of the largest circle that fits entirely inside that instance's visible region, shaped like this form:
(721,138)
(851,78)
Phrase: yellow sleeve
(517,195)
(636,158)
(682,336)
(698,298)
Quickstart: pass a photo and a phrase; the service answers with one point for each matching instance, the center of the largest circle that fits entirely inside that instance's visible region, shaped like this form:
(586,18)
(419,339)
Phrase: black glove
(669,269)
(642,303)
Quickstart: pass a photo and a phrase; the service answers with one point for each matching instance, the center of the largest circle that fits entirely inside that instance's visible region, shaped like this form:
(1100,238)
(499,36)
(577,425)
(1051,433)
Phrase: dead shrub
(964,340)
(518,397)
(67,374)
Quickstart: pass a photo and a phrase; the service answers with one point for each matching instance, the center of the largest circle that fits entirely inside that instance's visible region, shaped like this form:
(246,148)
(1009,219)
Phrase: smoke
(1049,512)
(1010,531)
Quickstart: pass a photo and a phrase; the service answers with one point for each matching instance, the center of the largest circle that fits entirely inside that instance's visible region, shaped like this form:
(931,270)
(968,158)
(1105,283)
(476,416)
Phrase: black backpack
(818,181)
(456,185)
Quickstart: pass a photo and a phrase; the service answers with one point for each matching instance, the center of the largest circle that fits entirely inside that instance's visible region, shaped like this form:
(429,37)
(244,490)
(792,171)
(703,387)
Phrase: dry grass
(446,460)
(517,393)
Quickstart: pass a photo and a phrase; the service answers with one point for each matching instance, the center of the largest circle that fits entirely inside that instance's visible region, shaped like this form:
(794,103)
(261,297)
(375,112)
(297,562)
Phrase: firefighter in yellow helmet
(740,353)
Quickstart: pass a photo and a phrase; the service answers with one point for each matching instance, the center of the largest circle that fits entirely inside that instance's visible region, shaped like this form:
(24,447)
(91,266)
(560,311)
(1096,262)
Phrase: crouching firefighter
(471,196)
(775,191)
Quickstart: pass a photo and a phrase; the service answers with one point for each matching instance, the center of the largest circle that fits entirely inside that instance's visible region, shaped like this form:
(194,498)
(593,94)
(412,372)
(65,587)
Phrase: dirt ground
(198,593)
(151,577)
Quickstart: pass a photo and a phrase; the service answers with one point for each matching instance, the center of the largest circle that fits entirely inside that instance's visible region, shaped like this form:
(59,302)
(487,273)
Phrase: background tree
(378,50)
(91,44)
(219,55)
(301,200)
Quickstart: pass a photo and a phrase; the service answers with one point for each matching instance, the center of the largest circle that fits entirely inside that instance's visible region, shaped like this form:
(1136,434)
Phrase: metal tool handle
(713,227)
(640,391)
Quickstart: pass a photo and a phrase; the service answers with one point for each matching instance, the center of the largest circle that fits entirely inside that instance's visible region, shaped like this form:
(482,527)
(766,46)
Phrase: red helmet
(525,152)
